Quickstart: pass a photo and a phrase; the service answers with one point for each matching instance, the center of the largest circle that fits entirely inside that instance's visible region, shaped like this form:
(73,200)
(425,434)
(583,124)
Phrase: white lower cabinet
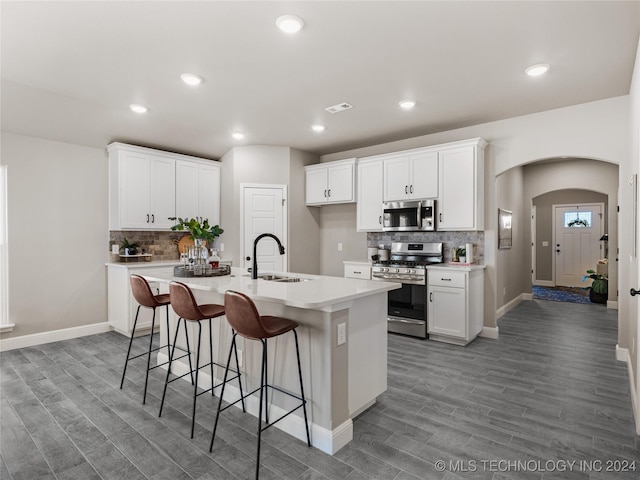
(357,270)
(455,300)
(121,304)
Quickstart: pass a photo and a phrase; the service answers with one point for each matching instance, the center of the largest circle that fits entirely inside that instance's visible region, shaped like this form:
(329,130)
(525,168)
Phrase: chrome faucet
(254,268)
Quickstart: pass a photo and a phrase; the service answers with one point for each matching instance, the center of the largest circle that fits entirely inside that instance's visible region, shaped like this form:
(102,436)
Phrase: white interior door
(264,211)
(578,229)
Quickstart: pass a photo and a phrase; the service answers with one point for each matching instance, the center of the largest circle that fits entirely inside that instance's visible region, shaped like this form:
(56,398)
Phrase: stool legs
(194,381)
(126,361)
(263,402)
(304,402)
(149,351)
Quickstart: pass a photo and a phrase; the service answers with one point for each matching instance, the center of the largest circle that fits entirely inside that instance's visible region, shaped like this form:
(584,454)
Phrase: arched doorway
(566,229)
(567,181)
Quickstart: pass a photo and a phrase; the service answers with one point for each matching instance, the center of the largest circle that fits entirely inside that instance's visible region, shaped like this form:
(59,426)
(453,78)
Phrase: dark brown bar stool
(184,304)
(144,296)
(245,321)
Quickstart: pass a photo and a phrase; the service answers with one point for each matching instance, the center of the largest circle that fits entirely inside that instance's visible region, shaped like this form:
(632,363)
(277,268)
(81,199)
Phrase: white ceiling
(70,69)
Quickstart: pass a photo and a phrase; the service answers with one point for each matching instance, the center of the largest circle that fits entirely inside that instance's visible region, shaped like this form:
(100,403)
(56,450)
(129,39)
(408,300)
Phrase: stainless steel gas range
(407,306)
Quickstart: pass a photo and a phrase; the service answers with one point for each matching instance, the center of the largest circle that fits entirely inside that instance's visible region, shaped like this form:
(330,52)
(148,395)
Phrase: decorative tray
(208,271)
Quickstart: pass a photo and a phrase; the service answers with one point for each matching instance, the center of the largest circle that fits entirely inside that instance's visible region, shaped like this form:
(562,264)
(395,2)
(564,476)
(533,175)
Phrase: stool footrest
(155,350)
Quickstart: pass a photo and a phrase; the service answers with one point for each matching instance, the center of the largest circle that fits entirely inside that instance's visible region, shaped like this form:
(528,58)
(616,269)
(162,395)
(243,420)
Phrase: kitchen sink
(280,278)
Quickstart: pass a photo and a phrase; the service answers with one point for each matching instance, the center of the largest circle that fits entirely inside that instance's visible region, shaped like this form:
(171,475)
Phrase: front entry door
(264,212)
(578,229)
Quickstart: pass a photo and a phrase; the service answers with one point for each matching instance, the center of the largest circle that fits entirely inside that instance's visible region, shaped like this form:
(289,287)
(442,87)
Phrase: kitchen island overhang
(342,376)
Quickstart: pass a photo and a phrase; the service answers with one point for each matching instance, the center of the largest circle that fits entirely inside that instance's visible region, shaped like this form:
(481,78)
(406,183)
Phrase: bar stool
(184,304)
(144,296)
(245,321)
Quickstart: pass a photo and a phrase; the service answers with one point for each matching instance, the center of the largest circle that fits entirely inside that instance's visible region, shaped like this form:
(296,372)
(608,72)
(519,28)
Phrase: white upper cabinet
(331,182)
(143,187)
(452,173)
(411,176)
(198,190)
(461,199)
(370,184)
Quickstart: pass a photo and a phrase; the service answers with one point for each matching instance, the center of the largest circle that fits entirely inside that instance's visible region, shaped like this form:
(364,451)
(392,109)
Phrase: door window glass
(577,219)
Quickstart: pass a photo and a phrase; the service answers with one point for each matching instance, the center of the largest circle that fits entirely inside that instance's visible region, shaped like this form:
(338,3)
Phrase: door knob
(634,292)
(248,258)
(558,250)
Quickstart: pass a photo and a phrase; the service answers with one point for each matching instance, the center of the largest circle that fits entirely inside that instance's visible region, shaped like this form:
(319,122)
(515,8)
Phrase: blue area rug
(561,294)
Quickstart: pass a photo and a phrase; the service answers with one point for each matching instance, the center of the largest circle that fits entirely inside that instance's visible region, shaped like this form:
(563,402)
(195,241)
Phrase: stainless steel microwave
(410,216)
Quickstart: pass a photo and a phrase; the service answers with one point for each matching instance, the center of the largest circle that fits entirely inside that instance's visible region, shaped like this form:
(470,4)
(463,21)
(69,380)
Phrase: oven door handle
(403,320)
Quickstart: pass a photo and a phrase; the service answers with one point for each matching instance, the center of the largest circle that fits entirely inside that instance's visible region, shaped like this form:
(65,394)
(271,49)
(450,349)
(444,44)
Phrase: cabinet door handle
(153,218)
(147,218)
(406,189)
(380,219)
(431,297)
(329,193)
(325,193)
(440,217)
(445,279)
(357,273)
(410,188)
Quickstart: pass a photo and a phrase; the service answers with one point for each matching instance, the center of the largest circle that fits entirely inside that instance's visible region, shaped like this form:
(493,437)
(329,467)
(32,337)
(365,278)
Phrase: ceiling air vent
(339,107)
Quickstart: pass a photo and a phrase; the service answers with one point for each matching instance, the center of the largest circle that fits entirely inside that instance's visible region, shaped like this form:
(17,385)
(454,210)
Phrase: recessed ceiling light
(407,104)
(138,108)
(537,70)
(238,135)
(316,127)
(289,23)
(191,79)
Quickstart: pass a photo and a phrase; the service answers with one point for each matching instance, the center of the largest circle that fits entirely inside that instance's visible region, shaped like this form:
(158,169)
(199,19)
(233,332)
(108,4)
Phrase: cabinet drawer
(447,279)
(357,271)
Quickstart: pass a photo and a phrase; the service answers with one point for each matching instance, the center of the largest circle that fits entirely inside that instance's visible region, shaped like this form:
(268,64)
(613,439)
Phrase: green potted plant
(462,254)
(128,247)
(599,288)
(199,230)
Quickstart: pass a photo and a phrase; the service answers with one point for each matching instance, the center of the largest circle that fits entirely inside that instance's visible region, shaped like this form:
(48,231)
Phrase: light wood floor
(547,393)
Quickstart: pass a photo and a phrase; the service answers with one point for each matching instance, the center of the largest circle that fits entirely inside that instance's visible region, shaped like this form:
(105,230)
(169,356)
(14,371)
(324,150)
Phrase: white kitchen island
(342,376)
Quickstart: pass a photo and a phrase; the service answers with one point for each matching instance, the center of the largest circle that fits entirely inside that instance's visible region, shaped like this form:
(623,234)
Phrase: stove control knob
(397,270)
(411,271)
(384,269)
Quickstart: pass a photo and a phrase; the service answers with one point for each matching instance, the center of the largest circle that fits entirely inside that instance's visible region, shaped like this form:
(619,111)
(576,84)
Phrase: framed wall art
(505,232)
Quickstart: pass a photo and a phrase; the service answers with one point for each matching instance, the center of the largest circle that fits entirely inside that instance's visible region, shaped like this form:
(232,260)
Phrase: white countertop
(452,266)
(318,293)
(152,264)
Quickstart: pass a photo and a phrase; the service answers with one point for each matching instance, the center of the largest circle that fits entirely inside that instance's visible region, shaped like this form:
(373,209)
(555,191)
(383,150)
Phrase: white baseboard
(622,354)
(544,283)
(489,332)
(612,305)
(509,306)
(329,441)
(53,336)
(634,396)
(527,296)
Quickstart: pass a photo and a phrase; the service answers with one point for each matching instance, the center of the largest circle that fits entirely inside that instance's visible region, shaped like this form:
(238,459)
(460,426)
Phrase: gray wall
(270,165)
(511,263)
(545,219)
(304,222)
(58,234)
(338,224)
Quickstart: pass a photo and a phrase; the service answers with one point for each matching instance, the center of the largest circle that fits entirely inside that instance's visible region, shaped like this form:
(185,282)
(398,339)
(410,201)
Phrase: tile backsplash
(450,240)
(162,245)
